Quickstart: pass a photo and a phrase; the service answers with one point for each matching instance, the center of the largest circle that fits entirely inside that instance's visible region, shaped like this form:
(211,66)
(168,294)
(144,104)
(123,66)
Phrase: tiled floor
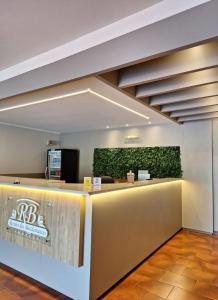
(16,287)
(186,268)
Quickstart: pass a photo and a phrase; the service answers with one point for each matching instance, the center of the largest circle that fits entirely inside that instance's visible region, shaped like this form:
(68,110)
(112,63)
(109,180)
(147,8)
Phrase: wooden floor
(185,268)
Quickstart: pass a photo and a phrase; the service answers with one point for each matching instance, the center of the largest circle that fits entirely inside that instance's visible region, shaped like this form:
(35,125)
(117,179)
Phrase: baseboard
(199,231)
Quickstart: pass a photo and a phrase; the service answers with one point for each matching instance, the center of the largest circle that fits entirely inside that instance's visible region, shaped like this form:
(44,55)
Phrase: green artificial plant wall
(116,162)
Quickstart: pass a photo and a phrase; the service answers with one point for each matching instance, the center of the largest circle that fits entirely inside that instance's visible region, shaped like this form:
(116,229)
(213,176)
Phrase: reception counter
(81,240)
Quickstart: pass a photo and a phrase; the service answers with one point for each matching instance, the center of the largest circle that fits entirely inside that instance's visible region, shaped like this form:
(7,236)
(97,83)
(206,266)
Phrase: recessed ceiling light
(149,122)
(107,126)
(127,125)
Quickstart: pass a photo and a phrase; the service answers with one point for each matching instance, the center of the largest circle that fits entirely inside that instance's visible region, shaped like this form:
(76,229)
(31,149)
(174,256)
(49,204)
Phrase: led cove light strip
(75,94)
(44,100)
(119,105)
(30,128)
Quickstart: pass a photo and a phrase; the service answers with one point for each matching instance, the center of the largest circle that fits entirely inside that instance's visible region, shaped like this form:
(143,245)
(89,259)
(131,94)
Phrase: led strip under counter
(119,187)
(49,189)
(80,189)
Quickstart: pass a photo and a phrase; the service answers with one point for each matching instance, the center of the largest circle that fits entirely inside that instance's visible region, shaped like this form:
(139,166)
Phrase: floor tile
(199,274)
(178,280)
(180,294)
(207,290)
(157,288)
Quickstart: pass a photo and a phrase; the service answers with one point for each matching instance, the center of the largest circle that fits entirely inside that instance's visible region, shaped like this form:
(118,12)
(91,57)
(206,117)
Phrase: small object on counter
(87,181)
(143,175)
(97,181)
(130,177)
(148,177)
(107,179)
(16,181)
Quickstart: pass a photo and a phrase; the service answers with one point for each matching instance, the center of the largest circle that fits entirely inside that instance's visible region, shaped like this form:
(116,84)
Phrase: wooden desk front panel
(63,219)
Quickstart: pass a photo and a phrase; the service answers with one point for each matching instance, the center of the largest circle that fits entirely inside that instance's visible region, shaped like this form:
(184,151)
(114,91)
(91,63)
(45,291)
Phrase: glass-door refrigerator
(63,164)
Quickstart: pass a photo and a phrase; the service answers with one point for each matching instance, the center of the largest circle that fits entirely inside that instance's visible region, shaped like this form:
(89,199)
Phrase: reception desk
(81,240)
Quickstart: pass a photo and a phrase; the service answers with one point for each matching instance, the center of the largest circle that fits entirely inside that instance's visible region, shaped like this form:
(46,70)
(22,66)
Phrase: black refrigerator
(63,164)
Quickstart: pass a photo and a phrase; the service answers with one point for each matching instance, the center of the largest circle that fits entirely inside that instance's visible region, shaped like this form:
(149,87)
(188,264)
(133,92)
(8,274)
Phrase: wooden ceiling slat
(203,91)
(198,117)
(177,83)
(196,111)
(202,102)
(184,61)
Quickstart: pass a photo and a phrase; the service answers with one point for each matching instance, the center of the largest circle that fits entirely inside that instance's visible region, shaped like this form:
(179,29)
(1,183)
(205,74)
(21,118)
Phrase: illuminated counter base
(121,228)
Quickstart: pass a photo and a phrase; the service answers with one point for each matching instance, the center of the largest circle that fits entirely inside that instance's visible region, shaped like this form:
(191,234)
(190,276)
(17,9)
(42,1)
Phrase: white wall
(215,172)
(195,140)
(23,150)
(198,181)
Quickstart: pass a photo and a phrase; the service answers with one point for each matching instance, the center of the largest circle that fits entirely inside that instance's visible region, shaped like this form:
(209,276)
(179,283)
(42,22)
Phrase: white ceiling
(30,27)
(77,113)
(37,33)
